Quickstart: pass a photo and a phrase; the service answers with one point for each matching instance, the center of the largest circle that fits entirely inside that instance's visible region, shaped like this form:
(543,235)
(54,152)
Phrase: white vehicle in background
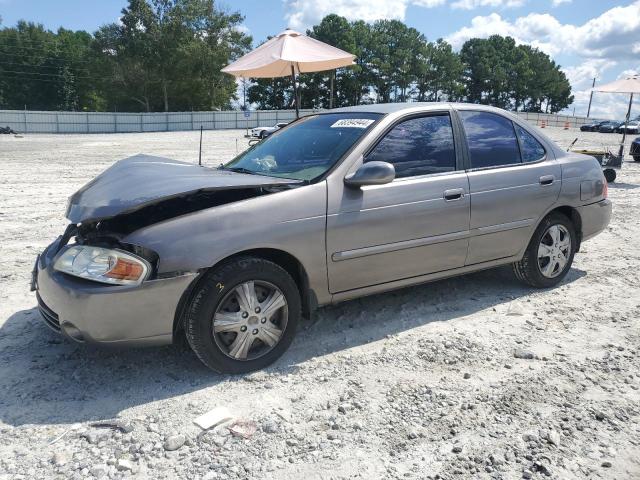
(262,132)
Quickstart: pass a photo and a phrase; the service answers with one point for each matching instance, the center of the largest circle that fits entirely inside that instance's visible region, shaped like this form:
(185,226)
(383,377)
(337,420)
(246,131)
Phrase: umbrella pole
(333,74)
(624,132)
(295,91)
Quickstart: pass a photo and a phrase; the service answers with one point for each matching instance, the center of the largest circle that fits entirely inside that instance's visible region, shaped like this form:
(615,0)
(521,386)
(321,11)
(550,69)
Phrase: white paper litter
(213,417)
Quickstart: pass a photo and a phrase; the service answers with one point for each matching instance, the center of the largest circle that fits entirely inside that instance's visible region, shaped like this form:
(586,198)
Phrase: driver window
(419,146)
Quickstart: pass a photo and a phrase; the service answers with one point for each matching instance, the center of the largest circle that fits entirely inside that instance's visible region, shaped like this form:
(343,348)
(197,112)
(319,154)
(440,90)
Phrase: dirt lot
(475,377)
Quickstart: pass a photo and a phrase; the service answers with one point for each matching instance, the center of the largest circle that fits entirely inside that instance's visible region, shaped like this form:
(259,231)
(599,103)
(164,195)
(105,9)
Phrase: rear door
(513,181)
(415,225)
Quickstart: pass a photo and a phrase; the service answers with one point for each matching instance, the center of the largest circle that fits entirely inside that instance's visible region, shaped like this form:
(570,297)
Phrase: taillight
(605,189)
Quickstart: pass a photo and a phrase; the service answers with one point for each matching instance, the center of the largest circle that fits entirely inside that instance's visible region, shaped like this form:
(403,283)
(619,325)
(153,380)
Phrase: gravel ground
(474,377)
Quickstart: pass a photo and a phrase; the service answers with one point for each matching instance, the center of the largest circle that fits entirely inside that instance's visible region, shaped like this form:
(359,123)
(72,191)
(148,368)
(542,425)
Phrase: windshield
(306,149)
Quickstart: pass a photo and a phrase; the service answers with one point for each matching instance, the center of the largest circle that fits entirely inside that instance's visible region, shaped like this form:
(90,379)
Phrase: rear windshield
(308,148)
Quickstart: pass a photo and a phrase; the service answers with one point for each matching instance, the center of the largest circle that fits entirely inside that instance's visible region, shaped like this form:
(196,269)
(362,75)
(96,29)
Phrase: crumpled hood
(143,180)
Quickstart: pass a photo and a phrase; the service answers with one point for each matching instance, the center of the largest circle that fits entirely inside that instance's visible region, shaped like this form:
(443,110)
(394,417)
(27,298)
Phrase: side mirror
(371,173)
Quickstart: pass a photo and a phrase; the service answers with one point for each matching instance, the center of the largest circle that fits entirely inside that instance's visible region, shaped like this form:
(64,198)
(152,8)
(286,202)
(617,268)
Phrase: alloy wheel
(554,251)
(250,320)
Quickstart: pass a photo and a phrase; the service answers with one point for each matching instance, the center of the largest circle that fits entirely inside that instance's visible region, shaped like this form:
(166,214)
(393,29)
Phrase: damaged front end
(144,190)
(144,182)
(93,285)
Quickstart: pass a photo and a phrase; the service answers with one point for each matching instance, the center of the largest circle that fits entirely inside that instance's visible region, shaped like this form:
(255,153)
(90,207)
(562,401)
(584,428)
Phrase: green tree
(393,59)
(271,93)
(168,53)
(24,53)
(547,88)
(337,31)
(439,73)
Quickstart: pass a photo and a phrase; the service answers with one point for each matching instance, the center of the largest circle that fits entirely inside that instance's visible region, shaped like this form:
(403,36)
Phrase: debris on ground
(213,418)
(243,428)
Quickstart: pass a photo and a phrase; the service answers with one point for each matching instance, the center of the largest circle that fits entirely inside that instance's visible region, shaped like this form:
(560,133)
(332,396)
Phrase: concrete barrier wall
(553,120)
(99,122)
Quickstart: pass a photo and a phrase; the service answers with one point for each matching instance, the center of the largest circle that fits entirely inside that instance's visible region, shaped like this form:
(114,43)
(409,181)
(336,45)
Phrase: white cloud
(473,4)
(302,14)
(555,3)
(242,28)
(581,76)
(428,3)
(613,35)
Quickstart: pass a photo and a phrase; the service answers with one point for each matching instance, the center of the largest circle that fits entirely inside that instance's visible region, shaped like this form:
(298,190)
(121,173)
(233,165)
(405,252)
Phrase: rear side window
(531,149)
(491,138)
(419,146)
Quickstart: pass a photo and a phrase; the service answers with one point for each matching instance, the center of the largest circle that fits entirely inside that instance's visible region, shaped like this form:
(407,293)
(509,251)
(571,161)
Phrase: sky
(588,38)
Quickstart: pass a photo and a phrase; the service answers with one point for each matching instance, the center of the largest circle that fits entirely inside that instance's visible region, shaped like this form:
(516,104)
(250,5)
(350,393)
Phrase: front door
(415,225)
(512,183)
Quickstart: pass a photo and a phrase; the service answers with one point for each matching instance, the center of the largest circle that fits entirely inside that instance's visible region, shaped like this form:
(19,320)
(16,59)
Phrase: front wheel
(636,158)
(243,315)
(549,254)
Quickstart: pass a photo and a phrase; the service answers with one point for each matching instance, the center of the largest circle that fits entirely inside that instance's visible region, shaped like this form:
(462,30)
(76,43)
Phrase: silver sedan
(335,206)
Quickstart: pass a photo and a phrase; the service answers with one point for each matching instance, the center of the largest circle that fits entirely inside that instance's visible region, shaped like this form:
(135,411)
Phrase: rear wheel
(636,158)
(610,175)
(549,254)
(243,315)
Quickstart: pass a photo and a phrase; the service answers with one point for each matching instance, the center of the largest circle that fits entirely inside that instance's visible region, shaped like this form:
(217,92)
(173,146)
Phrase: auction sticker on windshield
(353,123)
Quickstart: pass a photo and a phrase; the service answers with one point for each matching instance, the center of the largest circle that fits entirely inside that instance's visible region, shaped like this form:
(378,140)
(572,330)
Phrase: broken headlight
(102,265)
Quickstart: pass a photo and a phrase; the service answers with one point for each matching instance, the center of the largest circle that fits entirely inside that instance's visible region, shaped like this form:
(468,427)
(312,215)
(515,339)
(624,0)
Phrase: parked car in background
(341,204)
(632,127)
(609,127)
(635,149)
(591,126)
(262,132)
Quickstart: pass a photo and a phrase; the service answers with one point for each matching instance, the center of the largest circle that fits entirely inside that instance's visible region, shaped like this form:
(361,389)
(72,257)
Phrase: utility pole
(591,96)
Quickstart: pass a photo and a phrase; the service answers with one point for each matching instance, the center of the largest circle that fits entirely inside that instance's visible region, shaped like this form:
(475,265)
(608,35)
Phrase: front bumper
(595,218)
(91,312)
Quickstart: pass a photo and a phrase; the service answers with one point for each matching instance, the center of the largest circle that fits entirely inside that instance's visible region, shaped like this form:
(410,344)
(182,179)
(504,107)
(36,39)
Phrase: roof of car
(385,108)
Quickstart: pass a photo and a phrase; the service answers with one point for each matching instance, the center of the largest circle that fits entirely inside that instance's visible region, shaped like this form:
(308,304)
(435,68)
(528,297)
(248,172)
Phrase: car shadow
(623,186)
(49,379)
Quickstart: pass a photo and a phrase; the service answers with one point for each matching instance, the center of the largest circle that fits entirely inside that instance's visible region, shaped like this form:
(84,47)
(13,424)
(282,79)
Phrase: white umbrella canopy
(625,85)
(628,85)
(276,57)
(289,53)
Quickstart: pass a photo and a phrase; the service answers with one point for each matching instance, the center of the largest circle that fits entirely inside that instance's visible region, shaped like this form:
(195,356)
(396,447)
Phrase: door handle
(453,194)
(547,179)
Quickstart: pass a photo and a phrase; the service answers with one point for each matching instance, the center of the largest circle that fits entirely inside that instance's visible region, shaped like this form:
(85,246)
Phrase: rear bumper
(595,218)
(112,315)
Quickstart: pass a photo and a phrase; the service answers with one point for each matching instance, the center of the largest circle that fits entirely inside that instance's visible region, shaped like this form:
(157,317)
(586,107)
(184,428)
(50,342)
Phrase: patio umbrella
(628,85)
(289,53)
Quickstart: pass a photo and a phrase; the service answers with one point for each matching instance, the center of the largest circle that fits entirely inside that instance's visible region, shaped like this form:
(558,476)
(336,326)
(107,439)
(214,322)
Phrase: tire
(218,289)
(529,270)
(636,158)
(610,175)
(262,134)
